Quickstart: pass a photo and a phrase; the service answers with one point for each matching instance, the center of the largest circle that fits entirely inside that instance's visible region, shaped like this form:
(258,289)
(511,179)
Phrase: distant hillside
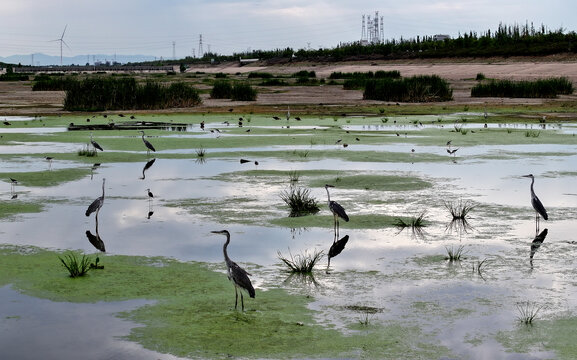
(45,60)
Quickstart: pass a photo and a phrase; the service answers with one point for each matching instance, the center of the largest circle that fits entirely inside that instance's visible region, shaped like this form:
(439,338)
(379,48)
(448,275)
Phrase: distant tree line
(507,40)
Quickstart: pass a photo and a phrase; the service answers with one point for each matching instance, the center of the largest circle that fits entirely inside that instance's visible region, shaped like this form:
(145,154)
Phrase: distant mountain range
(45,60)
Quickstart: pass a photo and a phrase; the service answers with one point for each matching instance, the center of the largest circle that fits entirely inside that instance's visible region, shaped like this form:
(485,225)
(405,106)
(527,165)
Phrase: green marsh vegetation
(125,93)
(190,314)
(419,88)
(542,88)
(303,263)
(299,200)
(77,266)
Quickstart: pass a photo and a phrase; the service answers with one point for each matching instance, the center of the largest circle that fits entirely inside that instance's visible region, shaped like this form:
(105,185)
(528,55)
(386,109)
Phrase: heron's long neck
(532,182)
(226,258)
(103,189)
(328,195)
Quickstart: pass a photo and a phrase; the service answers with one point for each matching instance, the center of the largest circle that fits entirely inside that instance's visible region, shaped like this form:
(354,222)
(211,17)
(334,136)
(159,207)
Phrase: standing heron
(150,194)
(337,210)
(97,203)
(236,274)
(95,145)
(147,144)
(537,204)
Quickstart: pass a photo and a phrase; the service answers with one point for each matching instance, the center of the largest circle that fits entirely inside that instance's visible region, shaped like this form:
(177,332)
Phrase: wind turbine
(62,42)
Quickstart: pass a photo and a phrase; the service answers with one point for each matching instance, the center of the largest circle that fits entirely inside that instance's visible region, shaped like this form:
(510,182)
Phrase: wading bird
(150,195)
(537,204)
(236,274)
(147,144)
(95,145)
(337,210)
(97,203)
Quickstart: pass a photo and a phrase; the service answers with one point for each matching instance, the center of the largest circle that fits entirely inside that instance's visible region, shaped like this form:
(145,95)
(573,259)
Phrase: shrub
(222,89)
(242,91)
(113,93)
(423,88)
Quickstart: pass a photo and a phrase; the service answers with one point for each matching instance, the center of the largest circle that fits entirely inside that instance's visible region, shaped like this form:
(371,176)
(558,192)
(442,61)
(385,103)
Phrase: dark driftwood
(130,125)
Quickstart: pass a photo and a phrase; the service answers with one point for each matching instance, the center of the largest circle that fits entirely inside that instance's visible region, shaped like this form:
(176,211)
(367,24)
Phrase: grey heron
(97,203)
(236,274)
(150,194)
(147,144)
(537,204)
(95,145)
(337,210)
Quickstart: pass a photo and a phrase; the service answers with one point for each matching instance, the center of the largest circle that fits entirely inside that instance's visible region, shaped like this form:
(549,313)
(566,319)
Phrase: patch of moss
(50,178)
(556,335)
(194,315)
(15,207)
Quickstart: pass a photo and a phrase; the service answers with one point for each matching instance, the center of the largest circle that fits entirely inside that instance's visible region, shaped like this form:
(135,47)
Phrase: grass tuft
(415,223)
(299,201)
(301,263)
(459,210)
(454,254)
(528,311)
(75,265)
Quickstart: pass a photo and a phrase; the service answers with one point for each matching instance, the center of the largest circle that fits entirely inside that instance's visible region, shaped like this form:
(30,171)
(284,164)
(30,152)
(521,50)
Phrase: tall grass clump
(305,74)
(527,312)
(459,210)
(222,89)
(422,88)
(301,263)
(242,91)
(112,93)
(542,88)
(45,82)
(454,254)
(75,265)
(300,201)
(415,223)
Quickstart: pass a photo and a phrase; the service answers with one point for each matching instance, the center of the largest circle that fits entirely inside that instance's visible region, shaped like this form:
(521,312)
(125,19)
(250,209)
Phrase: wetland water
(384,277)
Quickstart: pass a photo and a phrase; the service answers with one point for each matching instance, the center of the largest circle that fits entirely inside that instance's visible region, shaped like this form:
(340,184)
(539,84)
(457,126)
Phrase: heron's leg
(241,301)
(236,298)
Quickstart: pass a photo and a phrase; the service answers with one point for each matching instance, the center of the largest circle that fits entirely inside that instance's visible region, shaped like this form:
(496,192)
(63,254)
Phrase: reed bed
(423,88)
(108,93)
(542,88)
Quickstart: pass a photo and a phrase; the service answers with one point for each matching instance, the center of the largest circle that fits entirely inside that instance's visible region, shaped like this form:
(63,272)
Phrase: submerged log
(130,125)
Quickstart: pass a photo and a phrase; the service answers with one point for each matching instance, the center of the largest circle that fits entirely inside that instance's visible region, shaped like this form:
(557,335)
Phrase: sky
(167,28)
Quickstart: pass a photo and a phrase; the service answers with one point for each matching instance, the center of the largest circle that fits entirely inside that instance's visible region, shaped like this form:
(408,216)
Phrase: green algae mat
(193,313)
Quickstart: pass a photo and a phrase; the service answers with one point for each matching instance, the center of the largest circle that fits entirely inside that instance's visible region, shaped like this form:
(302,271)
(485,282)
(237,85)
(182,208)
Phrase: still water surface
(382,268)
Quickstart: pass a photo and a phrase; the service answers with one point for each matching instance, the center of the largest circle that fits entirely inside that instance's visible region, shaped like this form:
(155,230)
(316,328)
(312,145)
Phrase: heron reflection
(336,248)
(150,204)
(147,166)
(537,241)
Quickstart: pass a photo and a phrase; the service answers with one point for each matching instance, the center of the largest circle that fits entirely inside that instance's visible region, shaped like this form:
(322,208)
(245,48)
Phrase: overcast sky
(149,27)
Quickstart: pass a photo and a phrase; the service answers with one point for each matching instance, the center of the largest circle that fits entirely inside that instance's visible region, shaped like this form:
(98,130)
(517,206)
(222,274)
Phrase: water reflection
(536,243)
(336,248)
(13,194)
(150,204)
(147,166)
(459,225)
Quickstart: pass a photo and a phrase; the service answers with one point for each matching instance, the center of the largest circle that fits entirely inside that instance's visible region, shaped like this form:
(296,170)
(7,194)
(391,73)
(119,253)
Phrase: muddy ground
(17,98)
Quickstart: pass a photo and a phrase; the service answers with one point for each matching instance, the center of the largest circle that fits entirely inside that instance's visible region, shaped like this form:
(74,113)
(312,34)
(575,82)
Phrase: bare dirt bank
(17,98)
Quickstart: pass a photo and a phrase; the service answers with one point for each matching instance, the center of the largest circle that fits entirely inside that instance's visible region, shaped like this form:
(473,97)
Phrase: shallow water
(402,275)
